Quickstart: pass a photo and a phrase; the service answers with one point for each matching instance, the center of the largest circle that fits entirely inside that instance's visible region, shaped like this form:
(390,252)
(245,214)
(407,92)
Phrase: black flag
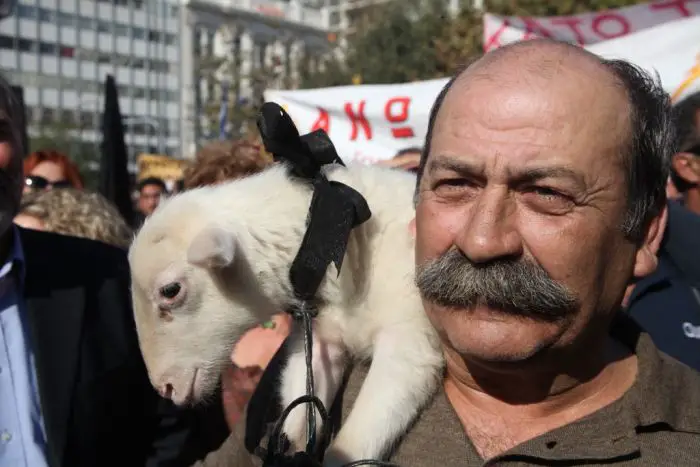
(114,173)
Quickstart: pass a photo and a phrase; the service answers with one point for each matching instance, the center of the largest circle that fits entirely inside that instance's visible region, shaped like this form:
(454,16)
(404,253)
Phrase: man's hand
(259,345)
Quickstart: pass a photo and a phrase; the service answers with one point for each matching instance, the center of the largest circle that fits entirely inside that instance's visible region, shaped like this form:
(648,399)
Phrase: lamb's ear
(213,247)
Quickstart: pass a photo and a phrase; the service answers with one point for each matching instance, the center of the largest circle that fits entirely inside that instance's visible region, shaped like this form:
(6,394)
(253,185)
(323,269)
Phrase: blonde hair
(78,213)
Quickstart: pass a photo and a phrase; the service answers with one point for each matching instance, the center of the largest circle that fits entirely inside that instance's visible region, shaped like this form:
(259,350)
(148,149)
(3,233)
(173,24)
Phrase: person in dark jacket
(667,302)
(74,391)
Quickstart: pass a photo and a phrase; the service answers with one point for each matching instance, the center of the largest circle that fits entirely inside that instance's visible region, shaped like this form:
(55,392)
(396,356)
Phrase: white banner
(369,123)
(586,28)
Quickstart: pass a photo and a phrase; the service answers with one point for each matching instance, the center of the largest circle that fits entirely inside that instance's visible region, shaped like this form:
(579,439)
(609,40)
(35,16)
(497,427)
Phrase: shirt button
(5,436)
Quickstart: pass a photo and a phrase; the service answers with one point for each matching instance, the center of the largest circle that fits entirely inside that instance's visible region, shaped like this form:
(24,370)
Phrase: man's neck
(516,407)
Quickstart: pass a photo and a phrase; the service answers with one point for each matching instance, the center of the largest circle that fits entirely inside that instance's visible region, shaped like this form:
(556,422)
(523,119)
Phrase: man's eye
(452,182)
(547,192)
(547,199)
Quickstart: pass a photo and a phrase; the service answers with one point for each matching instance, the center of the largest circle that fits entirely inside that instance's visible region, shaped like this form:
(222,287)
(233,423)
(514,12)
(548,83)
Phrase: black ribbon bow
(335,207)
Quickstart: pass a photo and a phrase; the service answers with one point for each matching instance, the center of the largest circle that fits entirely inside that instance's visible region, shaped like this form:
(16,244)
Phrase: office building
(60,52)
(243,37)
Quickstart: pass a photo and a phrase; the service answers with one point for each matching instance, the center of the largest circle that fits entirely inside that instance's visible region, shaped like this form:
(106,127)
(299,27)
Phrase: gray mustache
(516,287)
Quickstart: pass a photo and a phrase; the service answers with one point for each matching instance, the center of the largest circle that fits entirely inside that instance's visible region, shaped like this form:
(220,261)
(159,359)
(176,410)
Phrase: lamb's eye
(170,291)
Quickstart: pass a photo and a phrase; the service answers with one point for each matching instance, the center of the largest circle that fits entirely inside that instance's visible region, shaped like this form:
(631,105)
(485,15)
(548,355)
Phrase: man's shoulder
(63,256)
(681,381)
(667,391)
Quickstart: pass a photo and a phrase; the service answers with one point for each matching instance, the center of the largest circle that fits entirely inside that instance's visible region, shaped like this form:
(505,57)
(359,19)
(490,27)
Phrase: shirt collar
(15,262)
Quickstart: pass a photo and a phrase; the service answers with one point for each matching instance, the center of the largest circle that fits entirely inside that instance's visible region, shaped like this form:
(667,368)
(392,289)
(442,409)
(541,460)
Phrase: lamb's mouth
(189,396)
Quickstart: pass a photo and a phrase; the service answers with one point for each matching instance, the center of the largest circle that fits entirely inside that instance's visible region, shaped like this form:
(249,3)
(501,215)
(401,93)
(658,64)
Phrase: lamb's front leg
(328,363)
(403,376)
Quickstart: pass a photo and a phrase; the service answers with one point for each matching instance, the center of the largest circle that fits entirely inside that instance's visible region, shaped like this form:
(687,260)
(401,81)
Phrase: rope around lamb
(334,211)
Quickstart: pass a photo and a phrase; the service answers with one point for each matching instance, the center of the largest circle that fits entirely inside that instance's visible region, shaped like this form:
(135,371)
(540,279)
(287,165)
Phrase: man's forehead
(534,170)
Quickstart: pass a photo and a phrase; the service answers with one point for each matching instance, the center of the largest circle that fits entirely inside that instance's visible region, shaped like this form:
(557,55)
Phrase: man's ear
(646,259)
(687,167)
(412,227)
(213,247)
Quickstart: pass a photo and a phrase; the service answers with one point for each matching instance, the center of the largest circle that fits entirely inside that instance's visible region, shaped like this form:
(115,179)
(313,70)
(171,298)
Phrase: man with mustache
(540,198)
(74,391)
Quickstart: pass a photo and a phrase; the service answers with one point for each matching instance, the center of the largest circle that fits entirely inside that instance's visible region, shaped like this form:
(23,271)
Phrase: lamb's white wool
(213,262)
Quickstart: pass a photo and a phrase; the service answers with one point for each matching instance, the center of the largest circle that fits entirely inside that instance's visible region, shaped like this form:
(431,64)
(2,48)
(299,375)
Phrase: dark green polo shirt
(655,423)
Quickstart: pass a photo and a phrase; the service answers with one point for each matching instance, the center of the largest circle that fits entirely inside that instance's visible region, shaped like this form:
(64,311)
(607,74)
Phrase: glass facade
(60,52)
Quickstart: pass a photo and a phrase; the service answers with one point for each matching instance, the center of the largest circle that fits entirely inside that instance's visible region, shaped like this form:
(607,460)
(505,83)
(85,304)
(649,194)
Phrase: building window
(67,52)
(47,49)
(103,27)
(25,45)
(121,30)
(66,19)
(86,119)
(47,116)
(67,117)
(6,42)
(85,23)
(26,11)
(47,16)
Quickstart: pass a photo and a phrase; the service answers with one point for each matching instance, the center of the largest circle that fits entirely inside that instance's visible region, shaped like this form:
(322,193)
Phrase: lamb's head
(194,296)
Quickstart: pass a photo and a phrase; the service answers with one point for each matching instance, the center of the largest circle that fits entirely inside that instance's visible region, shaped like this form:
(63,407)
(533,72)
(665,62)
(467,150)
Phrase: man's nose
(490,231)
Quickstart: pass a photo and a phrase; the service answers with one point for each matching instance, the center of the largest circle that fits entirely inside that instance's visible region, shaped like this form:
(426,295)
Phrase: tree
(394,43)
(558,8)
(64,137)
(226,71)
(405,41)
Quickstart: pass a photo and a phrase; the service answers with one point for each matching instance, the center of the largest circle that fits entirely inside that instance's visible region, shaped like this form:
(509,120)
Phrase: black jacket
(98,405)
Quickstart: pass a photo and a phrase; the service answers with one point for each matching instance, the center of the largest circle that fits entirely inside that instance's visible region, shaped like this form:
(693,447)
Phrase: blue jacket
(667,302)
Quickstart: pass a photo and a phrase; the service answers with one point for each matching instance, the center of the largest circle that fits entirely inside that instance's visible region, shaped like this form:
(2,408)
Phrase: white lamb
(213,262)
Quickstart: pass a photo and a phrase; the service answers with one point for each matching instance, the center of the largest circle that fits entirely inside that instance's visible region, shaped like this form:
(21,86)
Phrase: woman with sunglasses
(44,170)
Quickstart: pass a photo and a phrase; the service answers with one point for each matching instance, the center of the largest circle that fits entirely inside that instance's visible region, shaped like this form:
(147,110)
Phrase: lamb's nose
(166,391)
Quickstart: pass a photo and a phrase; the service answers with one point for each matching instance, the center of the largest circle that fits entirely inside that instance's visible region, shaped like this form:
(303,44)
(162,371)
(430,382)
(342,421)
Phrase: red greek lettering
(600,20)
(323,122)
(494,41)
(681,6)
(533,29)
(399,117)
(573,24)
(358,118)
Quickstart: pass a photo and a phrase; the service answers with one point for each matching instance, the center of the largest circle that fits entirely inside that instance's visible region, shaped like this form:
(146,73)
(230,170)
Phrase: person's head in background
(408,159)
(76,213)
(179,186)
(224,161)
(47,169)
(12,121)
(685,169)
(150,191)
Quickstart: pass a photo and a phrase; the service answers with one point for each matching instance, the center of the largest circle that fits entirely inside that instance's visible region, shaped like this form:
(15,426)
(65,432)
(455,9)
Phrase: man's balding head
(612,86)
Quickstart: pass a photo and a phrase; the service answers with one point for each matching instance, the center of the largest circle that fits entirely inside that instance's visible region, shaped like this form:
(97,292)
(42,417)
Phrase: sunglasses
(36,182)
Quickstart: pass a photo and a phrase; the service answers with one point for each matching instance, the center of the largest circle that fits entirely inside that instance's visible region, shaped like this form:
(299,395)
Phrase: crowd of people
(566,187)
